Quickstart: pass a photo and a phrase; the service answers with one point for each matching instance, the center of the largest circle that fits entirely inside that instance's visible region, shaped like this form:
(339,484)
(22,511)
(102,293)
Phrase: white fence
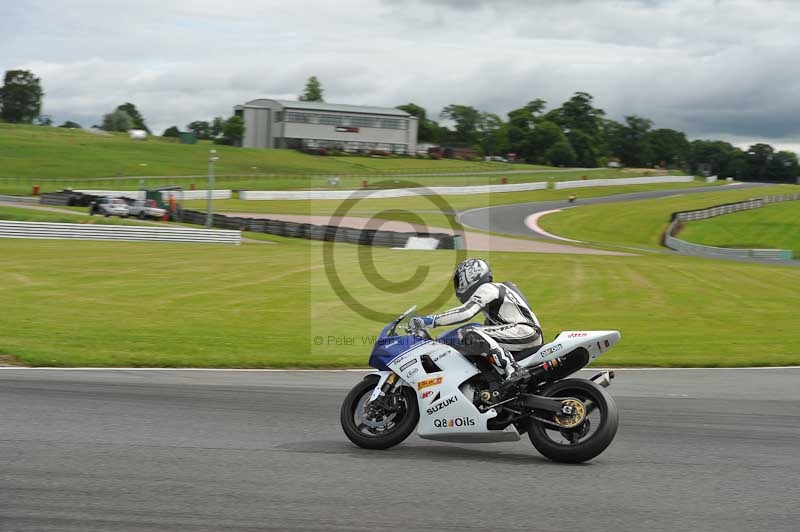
(624,181)
(60,231)
(386,193)
(718,210)
(179,194)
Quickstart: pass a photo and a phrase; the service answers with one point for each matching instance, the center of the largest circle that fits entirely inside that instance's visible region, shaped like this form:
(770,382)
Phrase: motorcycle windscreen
(388,348)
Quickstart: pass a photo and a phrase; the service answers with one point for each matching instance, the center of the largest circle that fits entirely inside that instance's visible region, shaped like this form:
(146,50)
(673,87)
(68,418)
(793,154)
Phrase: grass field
(775,226)
(146,304)
(55,158)
(641,223)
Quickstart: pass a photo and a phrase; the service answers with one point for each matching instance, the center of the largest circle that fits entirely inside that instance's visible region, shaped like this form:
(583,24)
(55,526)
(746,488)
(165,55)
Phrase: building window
(330,120)
(363,121)
(391,123)
(295,116)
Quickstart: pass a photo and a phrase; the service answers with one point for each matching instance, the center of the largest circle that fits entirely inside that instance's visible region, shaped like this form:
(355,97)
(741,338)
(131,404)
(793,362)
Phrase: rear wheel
(383,423)
(583,434)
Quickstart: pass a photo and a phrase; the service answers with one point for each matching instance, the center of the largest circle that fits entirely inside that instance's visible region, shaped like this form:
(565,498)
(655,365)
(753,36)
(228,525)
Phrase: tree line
(577,133)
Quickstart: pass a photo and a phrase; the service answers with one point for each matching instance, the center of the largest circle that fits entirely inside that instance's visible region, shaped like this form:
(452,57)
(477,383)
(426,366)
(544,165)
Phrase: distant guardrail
(387,193)
(718,210)
(332,233)
(179,194)
(18,199)
(60,231)
(623,181)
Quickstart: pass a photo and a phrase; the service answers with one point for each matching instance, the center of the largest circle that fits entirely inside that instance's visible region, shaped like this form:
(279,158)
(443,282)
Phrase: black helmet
(469,275)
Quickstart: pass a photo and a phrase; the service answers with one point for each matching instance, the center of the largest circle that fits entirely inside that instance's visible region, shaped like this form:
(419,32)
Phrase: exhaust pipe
(603,378)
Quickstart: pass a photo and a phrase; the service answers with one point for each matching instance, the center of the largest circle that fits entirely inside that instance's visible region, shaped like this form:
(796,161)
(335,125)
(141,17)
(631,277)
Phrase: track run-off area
(214,450)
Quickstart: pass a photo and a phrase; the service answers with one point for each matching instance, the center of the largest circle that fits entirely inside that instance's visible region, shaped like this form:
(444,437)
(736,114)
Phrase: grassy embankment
(161,304)
(642,223)
(775,226)
(56,158)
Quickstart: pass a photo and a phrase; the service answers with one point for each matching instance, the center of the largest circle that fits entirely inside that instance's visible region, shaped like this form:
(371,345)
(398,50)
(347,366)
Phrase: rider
(510,325)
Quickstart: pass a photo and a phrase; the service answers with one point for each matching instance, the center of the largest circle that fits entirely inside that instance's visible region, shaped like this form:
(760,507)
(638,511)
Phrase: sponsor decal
(412,373)
(427,383)
(577,335)
(346,129)
(408,364)
(444,404)
(425,395)
(551,350)
(455,422)
(440,356)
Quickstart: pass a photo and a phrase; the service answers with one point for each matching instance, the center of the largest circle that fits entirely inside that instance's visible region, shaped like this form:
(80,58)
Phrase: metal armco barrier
(718,210)
(387,193)
(329,233)
(18,199)
(59,231)
(624,181)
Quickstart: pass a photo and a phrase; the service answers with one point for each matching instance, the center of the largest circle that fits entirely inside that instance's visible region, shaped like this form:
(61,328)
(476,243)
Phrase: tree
(200,128)
(582,123)
(312,92)
(232,131)
(71,125)
(493,134)
(216,126)
(783,167)
(136,117)
(43,120)
(467,120)
(117,121)
(758,159)
(560,154)
(426,129)
(718,158)
(20,97)
(172,131)
(670,148)
(630,141)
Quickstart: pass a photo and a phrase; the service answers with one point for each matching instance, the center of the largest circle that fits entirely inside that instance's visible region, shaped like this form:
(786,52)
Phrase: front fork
(385,384)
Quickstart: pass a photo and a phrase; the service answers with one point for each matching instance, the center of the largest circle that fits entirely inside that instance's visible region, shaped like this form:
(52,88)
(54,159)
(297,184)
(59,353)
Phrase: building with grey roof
(296,124)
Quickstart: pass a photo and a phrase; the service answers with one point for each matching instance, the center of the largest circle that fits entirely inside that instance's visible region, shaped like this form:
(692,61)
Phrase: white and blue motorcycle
(452,396)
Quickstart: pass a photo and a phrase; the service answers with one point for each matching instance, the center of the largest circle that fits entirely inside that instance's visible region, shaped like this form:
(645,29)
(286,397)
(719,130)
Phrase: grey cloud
(708,68)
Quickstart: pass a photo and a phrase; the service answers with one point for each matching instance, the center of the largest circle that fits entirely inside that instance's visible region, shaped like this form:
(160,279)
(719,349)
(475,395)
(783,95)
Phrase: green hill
(55,158)
(49,152)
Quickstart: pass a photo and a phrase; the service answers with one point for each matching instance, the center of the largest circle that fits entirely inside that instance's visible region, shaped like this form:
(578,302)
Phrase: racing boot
(515,375)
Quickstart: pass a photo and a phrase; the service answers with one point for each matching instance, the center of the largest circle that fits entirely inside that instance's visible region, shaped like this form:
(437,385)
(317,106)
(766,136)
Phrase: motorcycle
(449,395)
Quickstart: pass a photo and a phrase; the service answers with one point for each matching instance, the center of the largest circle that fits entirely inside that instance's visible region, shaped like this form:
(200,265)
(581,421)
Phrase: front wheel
(584,434)
(378,425)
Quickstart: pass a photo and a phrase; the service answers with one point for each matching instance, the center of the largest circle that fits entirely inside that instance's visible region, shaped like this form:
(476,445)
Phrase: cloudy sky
(724,69)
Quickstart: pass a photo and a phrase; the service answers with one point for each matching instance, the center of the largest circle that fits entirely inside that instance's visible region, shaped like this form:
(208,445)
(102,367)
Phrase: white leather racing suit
(510,324)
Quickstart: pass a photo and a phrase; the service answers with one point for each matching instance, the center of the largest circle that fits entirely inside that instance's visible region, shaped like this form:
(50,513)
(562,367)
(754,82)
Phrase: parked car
(108,206)
(146,209)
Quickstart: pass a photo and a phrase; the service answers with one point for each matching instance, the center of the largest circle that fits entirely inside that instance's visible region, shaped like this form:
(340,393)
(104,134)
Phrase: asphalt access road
(128,450)
(510,219)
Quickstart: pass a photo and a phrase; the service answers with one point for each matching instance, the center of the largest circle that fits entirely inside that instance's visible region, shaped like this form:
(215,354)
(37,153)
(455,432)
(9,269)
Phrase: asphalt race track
(139,450)
(510,219)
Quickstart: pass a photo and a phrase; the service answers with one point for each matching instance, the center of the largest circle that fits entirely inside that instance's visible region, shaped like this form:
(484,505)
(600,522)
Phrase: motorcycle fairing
(449,414)
(595,342)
